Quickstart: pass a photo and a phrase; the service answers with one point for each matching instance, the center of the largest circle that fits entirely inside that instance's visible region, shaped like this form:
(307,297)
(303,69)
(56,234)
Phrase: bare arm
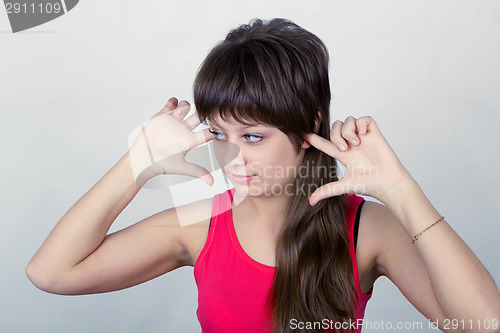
(439,273)
(460,284)
(78,258)
(402,263)
(77,253)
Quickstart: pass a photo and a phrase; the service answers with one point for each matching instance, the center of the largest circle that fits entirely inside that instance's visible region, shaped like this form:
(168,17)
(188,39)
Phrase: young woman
(291,247)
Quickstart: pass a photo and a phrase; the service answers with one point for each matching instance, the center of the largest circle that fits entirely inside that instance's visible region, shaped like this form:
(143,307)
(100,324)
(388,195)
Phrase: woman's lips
(242,179)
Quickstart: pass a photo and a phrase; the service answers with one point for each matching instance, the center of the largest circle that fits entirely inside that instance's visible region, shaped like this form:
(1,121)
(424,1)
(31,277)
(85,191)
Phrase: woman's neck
(265,213)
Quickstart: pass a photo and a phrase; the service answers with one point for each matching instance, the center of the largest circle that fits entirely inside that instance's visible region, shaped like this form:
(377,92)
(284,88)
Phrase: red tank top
(233,288)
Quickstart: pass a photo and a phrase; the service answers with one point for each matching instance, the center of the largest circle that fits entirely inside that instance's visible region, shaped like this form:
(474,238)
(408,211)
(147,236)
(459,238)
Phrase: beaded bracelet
(421,232)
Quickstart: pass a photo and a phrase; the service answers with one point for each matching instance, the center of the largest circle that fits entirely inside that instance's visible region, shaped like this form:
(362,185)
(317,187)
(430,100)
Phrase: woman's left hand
(373,168)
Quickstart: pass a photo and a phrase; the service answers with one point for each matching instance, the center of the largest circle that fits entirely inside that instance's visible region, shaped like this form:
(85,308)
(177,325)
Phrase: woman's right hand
(161,146)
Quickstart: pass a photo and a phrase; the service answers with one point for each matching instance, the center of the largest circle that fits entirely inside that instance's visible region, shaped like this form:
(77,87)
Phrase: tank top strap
(353,212)
(218,228)
(222,203)
(353,203)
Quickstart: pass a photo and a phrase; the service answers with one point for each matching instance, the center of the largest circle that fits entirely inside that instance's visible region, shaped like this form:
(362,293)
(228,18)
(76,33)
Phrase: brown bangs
(232,82)
(257,74)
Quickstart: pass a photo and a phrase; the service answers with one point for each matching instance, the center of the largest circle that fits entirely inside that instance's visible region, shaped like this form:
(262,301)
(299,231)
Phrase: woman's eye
(217,135)
(252,138)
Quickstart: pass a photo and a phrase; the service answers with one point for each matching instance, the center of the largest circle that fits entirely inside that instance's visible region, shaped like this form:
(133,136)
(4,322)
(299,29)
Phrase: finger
(328,190)
(366,124)
(323,144)
(349,131)
(194,170)
(362,125)
(171,105)
(202,136)
(182,109)
(193,121)
(336,135)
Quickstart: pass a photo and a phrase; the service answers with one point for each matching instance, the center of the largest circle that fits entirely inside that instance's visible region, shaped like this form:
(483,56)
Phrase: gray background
(73,89)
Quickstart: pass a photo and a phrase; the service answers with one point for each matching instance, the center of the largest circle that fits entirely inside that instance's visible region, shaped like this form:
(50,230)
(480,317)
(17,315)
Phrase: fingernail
(171,101)
(355,141)
(342,147)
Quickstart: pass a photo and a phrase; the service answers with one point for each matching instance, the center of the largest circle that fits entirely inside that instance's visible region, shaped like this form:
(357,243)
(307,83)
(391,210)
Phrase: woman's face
(258,159)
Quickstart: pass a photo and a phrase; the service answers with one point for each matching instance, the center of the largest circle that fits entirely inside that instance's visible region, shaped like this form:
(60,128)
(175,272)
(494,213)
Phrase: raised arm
(447,281)
(79,258)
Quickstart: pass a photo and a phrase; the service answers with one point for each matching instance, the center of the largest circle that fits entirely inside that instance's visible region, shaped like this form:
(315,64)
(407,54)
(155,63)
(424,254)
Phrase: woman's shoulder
(194,218)
(368,245)
(377,226)
(374,219)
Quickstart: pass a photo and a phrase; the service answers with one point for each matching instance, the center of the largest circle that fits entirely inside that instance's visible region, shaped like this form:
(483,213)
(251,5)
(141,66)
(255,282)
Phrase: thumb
(329,190)
(323,144)
(194,170)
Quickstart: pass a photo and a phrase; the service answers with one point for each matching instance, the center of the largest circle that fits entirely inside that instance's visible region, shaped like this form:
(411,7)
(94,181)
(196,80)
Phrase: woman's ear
(317,123)
(305,144)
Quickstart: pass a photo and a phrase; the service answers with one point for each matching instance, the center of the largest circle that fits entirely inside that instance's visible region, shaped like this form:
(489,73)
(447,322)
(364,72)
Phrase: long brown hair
(276,73)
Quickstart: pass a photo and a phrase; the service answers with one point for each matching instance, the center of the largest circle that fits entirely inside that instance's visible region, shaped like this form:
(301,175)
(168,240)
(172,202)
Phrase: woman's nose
(229,154)
(239,159)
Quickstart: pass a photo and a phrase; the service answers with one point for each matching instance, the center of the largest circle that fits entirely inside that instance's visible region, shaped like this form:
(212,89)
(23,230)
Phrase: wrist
(411,207)
(141,164)
(394,194)
(399,195)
